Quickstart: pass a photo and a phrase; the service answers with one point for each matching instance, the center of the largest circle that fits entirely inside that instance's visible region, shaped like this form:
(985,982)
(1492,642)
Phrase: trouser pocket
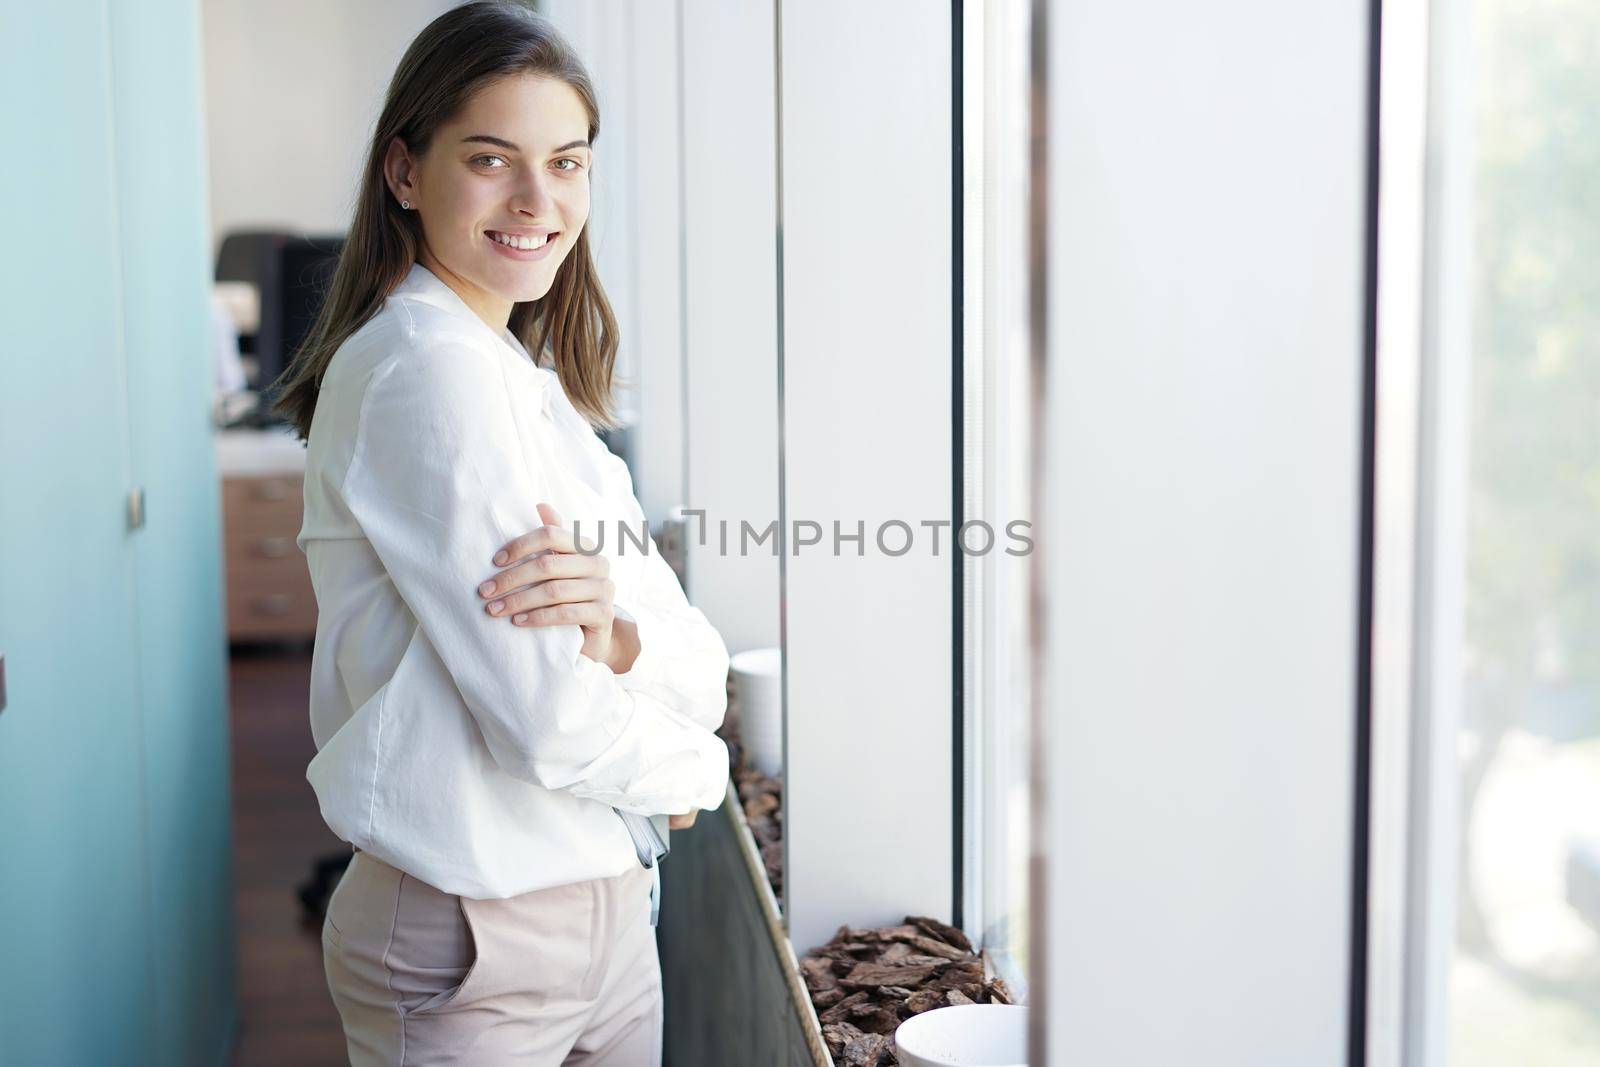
(393,941)
(433,951)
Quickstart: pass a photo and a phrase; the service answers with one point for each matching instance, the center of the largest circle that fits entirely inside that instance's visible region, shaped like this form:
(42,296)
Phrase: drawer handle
(273,604)
(273,547)
(271,489)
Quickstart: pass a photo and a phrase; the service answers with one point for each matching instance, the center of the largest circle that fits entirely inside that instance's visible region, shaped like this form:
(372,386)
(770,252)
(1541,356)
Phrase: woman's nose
(532,196)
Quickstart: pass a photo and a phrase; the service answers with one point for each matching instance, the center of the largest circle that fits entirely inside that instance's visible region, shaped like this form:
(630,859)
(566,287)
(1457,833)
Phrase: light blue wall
(116,929)
(183,649)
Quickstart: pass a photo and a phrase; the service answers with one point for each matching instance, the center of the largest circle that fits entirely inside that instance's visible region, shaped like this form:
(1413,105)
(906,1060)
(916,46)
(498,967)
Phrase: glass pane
(1525,979)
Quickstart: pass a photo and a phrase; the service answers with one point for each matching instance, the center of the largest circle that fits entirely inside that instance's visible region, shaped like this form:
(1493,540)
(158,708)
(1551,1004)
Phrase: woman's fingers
(543,569)
(547,581)
(540,555)
(590,613)
(682,822)
(552,535)
(555,591)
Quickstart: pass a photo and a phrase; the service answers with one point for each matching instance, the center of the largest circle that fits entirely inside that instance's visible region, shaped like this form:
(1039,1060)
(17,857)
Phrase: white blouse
(481,757)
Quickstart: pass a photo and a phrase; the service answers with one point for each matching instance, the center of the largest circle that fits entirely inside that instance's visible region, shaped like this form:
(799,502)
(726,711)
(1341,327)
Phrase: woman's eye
(575,164)
(480,159)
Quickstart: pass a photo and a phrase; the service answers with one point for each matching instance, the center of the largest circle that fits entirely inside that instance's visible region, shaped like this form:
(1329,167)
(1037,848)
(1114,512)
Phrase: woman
(489,689)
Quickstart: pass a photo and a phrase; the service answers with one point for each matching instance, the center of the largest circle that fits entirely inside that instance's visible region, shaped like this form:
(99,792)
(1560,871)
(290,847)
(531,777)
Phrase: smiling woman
(483,76)
(487,697)
(488,218)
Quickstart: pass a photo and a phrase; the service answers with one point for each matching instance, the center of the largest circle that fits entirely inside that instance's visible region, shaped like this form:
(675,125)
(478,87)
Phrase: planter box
(733,992)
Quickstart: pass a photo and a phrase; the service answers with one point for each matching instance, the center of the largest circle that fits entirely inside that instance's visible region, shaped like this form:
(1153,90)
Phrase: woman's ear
(399,171)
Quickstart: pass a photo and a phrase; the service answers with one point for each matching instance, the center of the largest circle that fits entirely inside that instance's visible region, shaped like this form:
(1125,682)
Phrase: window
(1504,913)
(1525,974)
(996,445)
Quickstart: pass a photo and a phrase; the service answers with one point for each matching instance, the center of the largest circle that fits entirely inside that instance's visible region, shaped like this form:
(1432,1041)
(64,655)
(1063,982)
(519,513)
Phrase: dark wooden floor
(286,1016)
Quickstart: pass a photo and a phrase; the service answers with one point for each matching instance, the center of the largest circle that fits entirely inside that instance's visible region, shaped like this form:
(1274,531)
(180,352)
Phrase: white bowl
(758,696)
(764,749)
(757,685)
(762,662)
(965,1035)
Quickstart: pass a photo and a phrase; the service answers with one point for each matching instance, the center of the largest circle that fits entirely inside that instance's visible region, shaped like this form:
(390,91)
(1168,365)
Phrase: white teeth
(524,243)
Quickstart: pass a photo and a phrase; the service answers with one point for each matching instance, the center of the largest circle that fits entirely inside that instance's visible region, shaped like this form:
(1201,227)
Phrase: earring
(406,204)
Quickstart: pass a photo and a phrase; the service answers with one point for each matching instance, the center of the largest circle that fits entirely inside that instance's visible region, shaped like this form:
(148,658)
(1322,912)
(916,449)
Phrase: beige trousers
(561,977)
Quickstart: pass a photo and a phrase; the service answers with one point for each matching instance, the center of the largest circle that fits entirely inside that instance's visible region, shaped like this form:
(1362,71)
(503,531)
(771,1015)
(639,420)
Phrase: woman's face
(513,166)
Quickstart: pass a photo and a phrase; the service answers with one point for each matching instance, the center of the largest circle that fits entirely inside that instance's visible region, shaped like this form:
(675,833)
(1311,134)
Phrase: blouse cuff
(646,666)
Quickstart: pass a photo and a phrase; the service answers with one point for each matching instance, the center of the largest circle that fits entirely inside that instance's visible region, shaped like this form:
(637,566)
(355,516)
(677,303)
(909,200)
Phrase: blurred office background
(1281,747)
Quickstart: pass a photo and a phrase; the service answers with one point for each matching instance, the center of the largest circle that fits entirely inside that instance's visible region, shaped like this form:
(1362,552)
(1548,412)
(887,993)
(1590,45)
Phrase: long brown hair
(455,55)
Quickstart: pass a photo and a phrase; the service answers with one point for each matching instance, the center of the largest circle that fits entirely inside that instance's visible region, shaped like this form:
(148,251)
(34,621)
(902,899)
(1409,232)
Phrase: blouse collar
(422,284)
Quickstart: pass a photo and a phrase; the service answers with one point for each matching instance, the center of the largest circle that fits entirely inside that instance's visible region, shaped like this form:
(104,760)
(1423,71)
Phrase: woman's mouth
(522,247)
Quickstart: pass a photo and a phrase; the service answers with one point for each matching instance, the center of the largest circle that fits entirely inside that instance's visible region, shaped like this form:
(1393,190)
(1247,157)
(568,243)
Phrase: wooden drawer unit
(271,498)
(269,589)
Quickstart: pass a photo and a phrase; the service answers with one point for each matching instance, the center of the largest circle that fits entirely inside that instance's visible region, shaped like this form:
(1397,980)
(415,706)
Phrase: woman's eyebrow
(503,143)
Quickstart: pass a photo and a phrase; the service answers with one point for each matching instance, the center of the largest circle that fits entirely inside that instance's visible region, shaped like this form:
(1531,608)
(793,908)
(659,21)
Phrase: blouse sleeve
(439,480)
(682,659)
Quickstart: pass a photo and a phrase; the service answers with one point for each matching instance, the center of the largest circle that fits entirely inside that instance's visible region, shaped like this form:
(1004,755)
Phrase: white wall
(866,372)
(731,294)
(292,90)
(1199,529)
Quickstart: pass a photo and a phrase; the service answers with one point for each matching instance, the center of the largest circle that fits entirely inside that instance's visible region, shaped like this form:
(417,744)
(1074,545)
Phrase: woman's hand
(547,581)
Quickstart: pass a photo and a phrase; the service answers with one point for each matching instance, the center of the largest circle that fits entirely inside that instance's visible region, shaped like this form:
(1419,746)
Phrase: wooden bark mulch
(761,796)
(866,982)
